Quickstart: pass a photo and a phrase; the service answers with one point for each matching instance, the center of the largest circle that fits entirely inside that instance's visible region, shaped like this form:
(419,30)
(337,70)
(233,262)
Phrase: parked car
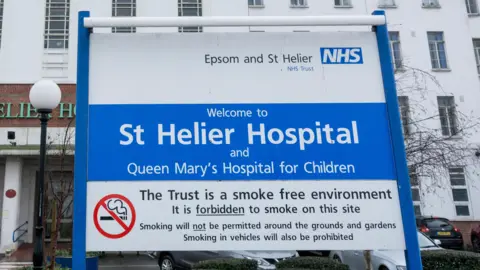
(173,260)
(475,238)
(382,259)
(441,229)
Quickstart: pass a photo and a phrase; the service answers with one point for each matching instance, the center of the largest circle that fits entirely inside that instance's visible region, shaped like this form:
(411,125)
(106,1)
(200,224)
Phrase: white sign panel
(283,134)
(243,215)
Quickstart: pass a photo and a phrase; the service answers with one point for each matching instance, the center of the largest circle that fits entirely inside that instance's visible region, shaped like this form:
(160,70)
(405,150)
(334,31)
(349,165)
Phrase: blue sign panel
(240,141)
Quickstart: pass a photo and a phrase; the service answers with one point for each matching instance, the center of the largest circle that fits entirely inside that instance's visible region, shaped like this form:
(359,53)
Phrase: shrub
(318,263)
(450,259)
(227,264)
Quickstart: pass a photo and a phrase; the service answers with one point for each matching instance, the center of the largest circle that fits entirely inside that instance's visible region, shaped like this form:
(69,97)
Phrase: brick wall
(15,110)
(466,227)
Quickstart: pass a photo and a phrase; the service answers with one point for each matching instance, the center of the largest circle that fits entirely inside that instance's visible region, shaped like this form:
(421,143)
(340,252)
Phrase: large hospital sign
(251,141)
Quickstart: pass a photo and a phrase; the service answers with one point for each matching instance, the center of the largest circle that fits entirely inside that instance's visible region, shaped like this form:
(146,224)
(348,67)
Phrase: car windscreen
(438,223)
(424,242)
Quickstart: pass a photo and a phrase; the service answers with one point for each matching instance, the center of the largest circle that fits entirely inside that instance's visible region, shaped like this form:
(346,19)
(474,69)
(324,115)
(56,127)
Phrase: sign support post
(378,21)
(81,135)
(412,252)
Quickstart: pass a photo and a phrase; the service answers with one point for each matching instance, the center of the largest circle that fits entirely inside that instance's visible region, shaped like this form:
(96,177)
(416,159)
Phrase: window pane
(457,180)
(418,210)
(55,44)
(415,194)
(57,17)
(456,170)
(413,176)
(190,8)
(460,195)
(462,210)
(124,8)
(126,12)
(66,230)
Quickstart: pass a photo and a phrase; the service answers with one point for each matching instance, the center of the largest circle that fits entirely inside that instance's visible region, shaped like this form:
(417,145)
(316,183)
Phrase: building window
(438,54)
(415,187)
(396,49)
(476,50)
(190,8)
(298,3)
(124,8)
(430,3)
(343,3)
(448,115)
(255,3)
(386,3)
(60,184)
(1,20)
(459,190)
(57,24)
(472,7)
(404,114)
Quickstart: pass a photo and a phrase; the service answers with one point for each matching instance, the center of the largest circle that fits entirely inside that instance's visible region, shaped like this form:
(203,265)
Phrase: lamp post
(45,95)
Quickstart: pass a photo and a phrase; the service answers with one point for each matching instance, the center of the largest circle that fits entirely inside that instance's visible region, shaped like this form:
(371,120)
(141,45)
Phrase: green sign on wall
(24,110)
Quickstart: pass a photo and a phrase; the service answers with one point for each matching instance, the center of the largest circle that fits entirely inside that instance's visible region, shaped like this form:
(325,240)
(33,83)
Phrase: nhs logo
(341,55)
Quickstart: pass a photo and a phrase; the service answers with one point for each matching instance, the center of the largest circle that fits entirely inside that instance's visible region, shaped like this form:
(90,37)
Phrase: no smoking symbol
(114,216)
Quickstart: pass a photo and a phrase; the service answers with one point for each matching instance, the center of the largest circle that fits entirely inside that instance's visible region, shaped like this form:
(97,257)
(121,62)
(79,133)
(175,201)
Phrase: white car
(382,259)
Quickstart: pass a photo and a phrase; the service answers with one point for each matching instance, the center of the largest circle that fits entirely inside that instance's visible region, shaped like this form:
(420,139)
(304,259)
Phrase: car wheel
(166,263)
(336,258)
(476,243)
(383,268)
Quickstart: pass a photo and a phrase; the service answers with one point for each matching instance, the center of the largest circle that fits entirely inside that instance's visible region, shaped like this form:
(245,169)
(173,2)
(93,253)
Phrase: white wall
(22,50)
(31,136)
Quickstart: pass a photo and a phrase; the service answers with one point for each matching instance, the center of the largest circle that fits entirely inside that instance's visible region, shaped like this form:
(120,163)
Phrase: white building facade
(435,44)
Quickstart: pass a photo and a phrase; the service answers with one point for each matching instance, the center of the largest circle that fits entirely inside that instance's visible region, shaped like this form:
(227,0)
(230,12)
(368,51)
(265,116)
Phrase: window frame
(68,221)
(384,4)
(469,5)
(185,5)
(132,6)
(59,35)
(431,3)
(450,110)
(437,44)
(415,185)
(476,51)
(460,187)
(256,3)
(397,63)
(343,3)
(404,109)
(298,3)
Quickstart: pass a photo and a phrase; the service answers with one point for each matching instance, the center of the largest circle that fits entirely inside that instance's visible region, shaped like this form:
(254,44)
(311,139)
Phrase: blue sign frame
(412,252)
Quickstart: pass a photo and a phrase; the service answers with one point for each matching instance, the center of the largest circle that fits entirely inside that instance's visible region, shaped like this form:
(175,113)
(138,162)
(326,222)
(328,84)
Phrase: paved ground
(130,261)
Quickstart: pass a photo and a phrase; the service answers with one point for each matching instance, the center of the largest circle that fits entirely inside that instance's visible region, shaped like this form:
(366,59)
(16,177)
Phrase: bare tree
(58,185)
(430,149)
(434,139)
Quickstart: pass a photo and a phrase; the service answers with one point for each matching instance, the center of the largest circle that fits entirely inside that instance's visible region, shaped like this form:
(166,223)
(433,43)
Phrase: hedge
(450,259)
(227,264)
(304,263)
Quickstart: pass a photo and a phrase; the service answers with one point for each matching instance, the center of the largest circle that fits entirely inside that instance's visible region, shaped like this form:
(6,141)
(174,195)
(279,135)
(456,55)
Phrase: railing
(20,229)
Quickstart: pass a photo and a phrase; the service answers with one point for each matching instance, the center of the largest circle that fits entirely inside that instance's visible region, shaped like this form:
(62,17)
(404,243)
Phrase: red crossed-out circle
(126,228)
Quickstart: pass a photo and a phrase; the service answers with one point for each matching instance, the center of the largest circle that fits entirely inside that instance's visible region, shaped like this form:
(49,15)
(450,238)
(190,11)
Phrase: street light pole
(45,95)
(38,248)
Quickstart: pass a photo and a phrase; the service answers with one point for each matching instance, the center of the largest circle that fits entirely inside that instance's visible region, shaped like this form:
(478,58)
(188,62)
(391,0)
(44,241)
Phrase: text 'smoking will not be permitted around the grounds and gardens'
(244,141)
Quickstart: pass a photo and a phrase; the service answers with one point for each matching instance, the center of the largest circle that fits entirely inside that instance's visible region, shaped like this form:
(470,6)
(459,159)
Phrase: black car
(441,229)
